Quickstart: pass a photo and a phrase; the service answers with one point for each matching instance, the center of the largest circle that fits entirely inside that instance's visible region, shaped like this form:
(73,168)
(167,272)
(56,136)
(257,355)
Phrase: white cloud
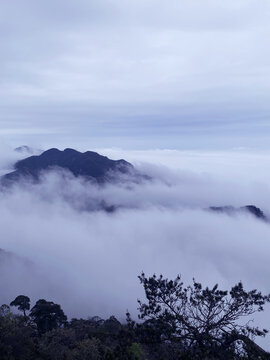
(89,261)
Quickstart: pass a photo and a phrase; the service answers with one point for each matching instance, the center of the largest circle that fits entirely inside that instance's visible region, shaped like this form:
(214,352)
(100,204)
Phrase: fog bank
(88,261)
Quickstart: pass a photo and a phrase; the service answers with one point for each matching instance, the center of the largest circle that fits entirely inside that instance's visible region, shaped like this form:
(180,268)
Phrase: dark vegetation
(176,322)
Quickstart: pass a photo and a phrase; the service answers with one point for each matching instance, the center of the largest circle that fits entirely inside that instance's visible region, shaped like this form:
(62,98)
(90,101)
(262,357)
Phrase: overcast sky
(135,73)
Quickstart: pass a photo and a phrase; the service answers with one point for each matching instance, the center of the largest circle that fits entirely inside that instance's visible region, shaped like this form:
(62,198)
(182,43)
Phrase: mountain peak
(89,164)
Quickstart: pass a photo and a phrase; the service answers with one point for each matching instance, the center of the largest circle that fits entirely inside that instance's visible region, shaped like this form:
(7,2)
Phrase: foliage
(135,350)
(201,320)
(176,323)
(90,349)
(47,315)
(56,344)
(22,302)
(16,338)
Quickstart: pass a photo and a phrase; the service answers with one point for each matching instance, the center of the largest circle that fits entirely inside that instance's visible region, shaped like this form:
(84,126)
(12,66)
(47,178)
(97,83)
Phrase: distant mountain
(89,165)
(251,209)
(26,150)
(94,167)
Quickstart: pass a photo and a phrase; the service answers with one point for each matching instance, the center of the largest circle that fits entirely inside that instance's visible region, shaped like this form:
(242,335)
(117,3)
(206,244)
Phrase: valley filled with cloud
(60,244)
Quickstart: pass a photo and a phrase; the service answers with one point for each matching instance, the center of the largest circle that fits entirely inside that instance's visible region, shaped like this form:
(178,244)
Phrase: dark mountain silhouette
(94,167)
(251,209)
(89,165)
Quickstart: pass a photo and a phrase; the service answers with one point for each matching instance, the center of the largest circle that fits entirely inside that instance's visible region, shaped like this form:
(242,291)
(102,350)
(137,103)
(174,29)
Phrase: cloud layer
(118,72)
(89,261)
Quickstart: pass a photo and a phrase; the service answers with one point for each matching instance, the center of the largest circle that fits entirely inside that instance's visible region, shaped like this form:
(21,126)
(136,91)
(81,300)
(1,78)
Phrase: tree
(22,302)
(16,336)
(56,344)
(112,325)
(202,321)
(89,349)
(47,315)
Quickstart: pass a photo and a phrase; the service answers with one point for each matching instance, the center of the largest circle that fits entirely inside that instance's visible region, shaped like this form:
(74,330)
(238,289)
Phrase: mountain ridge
(92,166)
(89,164)
(231,210)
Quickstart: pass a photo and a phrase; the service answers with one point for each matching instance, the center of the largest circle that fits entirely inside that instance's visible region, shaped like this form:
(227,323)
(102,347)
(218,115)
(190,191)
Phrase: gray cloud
(116,69)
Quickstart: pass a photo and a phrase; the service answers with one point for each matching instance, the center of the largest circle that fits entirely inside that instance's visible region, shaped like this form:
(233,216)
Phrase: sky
(136,74)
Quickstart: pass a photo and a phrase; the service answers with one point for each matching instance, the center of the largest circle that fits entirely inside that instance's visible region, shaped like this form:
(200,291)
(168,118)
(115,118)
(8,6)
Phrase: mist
(62,246)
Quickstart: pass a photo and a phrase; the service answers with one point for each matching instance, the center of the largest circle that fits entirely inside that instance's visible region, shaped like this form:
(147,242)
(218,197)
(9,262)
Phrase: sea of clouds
(88,261)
